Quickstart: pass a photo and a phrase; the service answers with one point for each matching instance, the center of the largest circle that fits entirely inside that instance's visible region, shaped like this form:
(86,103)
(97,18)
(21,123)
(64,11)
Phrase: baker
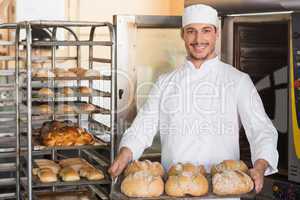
(198,107)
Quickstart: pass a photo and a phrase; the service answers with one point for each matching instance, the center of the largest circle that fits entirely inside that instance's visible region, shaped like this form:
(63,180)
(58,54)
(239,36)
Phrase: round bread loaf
(44,73)
(232,182)
(229,165)
(87,107)
(187,183)
(154,168)
(67,91)
(142,184)
(78,70)
(187,167)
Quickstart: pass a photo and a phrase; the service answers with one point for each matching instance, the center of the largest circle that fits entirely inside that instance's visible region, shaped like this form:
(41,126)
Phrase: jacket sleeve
(261,133)
(145,126)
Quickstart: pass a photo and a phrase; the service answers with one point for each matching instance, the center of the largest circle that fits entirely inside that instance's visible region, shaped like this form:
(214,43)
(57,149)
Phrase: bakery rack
(9,175)
(100,122)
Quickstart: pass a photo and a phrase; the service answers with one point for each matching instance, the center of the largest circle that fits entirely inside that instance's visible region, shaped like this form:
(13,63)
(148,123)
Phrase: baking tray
(75,104)
(58,94)
(66,193)
(103,77)
(37,145)
(116,194)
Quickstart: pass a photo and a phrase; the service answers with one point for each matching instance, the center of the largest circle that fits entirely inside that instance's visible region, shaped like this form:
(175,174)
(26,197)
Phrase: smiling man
(198,107)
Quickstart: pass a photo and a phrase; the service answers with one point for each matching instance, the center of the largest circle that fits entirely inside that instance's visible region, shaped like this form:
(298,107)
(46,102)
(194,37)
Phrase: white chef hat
(200,13)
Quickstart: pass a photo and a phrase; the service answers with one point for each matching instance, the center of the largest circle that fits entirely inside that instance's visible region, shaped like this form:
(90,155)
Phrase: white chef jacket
(198,113)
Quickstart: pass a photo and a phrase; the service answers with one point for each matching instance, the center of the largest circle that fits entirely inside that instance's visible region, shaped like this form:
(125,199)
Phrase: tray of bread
(76,73)
(66,108)
(147,180)
(68,194)
(64,135)
(45,93)
(70,171)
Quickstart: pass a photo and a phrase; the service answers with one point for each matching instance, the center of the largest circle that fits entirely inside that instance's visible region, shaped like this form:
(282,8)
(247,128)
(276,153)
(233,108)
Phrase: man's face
(200,41)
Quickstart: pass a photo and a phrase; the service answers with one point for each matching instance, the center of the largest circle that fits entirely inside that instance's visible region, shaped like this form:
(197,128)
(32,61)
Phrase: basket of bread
(147,180)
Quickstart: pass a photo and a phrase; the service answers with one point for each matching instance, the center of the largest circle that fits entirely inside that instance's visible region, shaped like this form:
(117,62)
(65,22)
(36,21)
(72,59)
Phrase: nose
(198,36)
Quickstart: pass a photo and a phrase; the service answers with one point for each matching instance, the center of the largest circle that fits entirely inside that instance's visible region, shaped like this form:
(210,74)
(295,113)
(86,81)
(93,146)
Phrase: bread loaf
(187,183)
(142,184)
(45,163)
(45,109)
(44,73)
(67,91)
(45,92)
(87,107)
(186,167)
(231,182)
(78,71)
(66,108)
(85,90)
(46,175)
(154,168)
(229,165)
(63,73)
(69,174)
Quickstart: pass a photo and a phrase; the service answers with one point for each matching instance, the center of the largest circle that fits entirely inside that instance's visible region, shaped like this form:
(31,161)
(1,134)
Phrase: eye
(206,31)
(190,31)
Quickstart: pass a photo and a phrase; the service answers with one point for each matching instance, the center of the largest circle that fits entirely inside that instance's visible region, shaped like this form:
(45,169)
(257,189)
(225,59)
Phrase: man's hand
(257,173)
(119,164)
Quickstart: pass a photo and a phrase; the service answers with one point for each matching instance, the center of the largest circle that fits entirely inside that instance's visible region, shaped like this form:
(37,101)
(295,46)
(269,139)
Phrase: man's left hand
(257,174)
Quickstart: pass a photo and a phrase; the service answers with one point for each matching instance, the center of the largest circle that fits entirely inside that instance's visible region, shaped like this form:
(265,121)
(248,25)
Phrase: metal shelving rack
(9,175)
(101,155)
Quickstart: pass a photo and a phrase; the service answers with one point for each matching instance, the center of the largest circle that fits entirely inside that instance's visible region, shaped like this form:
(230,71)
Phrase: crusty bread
(187,183)
(142,184)
(186,167)
(75,163)
(45,109)
(63,73)
(45,92)
(46,175)
(85,90)
(69,174)
(229,165)
(231,182)
(154,168)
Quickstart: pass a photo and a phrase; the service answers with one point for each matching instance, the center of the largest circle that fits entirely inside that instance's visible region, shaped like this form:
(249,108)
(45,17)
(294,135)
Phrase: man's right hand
(122,160)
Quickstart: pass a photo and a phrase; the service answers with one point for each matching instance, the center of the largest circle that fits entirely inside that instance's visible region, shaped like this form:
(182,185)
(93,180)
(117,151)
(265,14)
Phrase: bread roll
(67,91)
(91,173)
(46,175)
(45,109)
(187,167)
(229,165)
(142,184)
(66,108)
(231,182)
(85,90)
(154,168)
(63,73)
(45,92)
(187,183)
(69,174)
(78,71)
(87,107)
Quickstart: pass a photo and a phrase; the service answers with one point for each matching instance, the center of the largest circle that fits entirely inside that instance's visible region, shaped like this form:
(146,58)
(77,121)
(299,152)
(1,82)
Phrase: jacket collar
(206,65)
